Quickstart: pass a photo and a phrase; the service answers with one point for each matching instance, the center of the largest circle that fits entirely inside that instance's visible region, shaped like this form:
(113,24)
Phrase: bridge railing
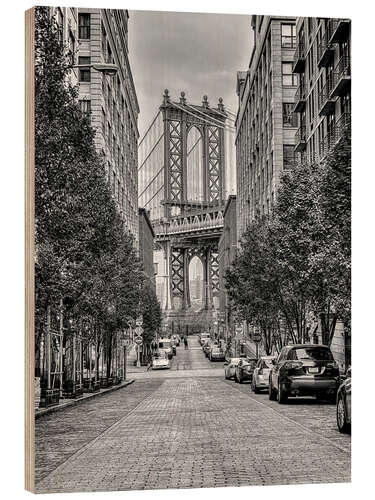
(184,225)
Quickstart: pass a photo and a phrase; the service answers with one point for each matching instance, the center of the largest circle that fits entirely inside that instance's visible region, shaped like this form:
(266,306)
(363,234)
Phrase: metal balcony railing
(337,132)
(325,50)
(300,139)
(326,103)
(341,77)
(300,98)
(338,29)
(299,58)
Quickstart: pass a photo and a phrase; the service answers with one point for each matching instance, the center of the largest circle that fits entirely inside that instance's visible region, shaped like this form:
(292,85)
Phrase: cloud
(197,53)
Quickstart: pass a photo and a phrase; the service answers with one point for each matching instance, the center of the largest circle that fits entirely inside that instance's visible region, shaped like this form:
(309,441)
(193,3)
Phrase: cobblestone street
(188,428)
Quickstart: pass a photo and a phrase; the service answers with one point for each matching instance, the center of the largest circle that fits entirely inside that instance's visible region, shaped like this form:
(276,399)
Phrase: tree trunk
(109,356)
(324,324)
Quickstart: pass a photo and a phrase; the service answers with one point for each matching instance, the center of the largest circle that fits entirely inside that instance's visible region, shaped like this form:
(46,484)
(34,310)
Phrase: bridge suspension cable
(223,126)
(149,127)
(210,117)
(151,166)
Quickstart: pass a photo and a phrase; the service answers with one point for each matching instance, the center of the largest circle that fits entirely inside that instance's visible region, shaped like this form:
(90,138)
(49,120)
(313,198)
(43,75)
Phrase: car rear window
(316,353)
(164,344)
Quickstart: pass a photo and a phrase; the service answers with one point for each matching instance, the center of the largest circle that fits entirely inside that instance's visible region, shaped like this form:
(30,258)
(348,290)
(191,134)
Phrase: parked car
(230,367)
(261,373)
(203,336)
(344,404)
(216,353)
(160,361)
(304,370)
(166,346)
(245,369)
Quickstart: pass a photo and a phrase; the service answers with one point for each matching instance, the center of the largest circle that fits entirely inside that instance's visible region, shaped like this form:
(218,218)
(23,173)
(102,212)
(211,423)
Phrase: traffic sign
(138,331)
(138,341)
(139,321)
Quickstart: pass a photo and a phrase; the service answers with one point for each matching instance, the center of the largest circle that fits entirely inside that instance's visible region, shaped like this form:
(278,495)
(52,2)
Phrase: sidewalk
(65,403)
(130,362)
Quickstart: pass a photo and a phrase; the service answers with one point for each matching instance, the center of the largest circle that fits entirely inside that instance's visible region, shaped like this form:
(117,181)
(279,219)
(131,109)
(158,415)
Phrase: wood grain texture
(29,251)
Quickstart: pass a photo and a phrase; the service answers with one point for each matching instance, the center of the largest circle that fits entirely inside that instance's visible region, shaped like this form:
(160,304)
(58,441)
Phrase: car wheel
(240,380)
(271,392)
(235,378)
(282,395)
(342,424)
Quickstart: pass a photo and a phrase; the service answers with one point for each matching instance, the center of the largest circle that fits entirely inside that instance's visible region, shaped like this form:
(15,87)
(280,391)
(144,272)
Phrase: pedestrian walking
(186,342)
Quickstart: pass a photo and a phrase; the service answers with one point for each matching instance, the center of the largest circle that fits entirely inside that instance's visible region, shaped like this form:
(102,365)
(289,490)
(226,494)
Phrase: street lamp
(106,68)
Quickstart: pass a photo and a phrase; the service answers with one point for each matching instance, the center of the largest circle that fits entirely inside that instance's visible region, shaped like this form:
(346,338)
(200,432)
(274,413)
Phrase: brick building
(322,100)
(323,105)
(102,36)
(227,253)
(146,245)
(266,124)
(67,21)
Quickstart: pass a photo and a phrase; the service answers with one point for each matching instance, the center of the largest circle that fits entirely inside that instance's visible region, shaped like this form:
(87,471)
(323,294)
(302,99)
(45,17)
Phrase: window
(84,73)
(85,106)
(271,126)
(309,26)
(289,159)
(288,35)
(289,78)
(72,47)
(84,26)
(114,183)
(289,118)
(109,54)
(103,122)
(60,23)
(109,136)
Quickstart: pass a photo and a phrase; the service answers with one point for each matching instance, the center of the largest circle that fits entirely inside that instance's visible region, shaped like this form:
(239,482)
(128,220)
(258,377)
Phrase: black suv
(304,370)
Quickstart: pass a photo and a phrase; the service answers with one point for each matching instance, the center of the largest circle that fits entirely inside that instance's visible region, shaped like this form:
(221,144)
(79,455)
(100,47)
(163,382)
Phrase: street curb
(47,411)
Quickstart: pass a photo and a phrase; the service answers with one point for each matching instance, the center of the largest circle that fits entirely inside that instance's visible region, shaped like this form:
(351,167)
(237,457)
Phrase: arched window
(196,283)
(194,188)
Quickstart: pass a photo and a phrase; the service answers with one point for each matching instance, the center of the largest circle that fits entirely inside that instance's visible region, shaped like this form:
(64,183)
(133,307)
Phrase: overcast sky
(197,53)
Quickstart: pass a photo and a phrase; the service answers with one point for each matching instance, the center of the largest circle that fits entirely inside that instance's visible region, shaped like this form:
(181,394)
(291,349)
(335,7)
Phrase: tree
(251,281)
(297,261)
(331,263)
(151,313)
(84,257)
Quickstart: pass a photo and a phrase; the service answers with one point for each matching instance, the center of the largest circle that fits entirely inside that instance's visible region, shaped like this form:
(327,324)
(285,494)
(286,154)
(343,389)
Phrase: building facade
(323,106)
(146,245)
(111,101)
(322,100)
(265,124)
(227,254)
